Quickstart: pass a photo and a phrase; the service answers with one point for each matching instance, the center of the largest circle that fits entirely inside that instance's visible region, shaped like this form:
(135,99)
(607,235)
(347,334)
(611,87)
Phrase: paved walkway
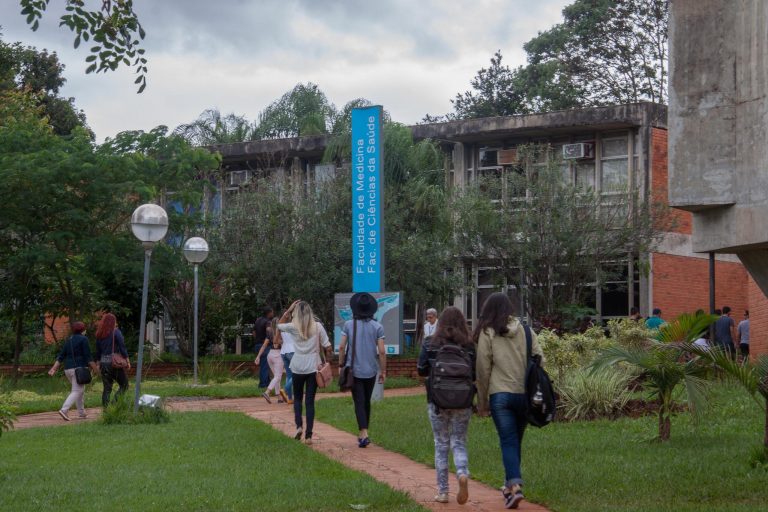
(397,471)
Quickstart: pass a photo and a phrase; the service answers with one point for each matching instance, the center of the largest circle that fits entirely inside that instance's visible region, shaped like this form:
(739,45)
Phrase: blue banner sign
(367,200)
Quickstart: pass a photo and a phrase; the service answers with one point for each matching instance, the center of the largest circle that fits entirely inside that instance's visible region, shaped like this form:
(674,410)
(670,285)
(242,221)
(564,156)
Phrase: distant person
(74,353)
(742,330)
(308,335)
(362,340)
(724,332)
(634,314)
(286,352)
(702,341)
(260,337)
(109,340)
(449,426)
(430,326)
(655,322)
(501,368)
(275,361)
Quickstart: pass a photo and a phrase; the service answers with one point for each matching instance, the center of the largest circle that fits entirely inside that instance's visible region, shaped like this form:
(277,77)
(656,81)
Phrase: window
(585,175)
(488,157)
(615,165)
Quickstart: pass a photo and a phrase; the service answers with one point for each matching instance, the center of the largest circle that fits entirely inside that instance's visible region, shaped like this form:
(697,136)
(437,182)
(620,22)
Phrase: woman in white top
(308,335)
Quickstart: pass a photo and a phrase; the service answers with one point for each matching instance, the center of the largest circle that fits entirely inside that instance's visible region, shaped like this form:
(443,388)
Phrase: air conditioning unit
(237,178)
(579,150)
(507,156)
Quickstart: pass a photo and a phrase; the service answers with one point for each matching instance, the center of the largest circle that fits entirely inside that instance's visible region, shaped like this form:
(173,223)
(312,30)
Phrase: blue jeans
(288,374)
(263,368)
(508,412)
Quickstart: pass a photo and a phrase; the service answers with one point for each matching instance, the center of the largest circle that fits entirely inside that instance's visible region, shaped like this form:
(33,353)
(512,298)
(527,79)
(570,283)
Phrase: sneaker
(362,443)
(283,395)
(82,416)
(64,415)
(463,495)
(266,397)
(442,497)
(512,497)
(289,402)
(308,441)
(299,432)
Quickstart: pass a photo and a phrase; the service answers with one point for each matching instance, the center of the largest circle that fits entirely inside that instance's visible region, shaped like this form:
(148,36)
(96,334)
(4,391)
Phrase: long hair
(304,320)
(452,327)
(106,326)
(495,315)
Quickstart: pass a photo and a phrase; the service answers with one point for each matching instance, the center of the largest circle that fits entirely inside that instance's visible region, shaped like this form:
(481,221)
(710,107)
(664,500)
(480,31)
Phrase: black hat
(363,305)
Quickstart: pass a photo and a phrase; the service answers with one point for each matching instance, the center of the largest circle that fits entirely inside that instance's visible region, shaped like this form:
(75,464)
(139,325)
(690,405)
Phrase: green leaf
(91,68)
(77,41)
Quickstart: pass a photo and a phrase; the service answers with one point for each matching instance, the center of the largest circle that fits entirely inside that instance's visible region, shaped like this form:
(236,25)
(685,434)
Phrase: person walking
(74,353)
(501,367)
(287,349)
(260,338)
(308,336)
(363,338)
(109,340)
(430,326)
(449,426)
(275,361)
(724,332)
(743,332)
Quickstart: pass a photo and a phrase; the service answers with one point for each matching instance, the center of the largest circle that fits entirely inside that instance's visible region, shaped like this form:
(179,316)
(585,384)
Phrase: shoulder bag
(118,361)
(346,375)
(324,374)
(82,374)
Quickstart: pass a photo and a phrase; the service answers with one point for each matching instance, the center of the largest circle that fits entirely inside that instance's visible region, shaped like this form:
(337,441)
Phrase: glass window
(488,157)
(614,147)
(585,174)
(615,174)
(488,277)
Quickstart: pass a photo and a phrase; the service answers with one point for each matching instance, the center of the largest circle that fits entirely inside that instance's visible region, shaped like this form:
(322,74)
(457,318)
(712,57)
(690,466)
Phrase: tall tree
(304,110)
(211,127)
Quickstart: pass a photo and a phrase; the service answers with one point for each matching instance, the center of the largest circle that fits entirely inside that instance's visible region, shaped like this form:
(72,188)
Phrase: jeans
(300,381)
(288,374)
(449,427)
(263,368)
(508,412)
(276,365)
(76,395)
(108,376)
(362,389)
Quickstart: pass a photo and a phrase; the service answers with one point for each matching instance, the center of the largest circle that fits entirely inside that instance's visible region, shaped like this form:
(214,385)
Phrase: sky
(411,56)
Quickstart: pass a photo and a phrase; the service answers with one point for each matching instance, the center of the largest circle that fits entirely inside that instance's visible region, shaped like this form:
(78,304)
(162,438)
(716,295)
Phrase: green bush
(758,458)
(586,395)
(571,351)
(629,333)
(6,417)
(213,370)
(120,412)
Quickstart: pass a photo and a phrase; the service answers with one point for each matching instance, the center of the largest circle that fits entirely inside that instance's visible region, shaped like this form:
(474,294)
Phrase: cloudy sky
(238,55)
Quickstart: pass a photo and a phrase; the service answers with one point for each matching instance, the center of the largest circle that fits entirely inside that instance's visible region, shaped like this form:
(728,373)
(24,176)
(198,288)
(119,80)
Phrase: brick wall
(60,327)
(758,319)
(677,221)
(681,284)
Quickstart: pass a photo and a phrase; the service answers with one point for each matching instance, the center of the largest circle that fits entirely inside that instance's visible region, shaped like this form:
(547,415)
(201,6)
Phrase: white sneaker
(442,497)
(64,415)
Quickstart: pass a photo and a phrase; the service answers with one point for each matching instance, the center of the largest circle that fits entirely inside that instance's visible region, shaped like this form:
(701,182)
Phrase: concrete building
(719,136)
(627,148)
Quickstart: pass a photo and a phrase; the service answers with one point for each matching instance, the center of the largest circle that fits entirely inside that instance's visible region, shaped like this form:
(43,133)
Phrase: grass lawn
(43,393)
(198,461)
(601,465)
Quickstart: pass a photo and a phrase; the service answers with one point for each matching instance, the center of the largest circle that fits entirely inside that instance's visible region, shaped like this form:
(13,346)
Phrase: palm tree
(663,364)
(212,128)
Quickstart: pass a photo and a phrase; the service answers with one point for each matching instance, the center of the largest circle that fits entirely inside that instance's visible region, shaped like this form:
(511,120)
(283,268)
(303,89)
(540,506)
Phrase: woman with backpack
(501,366)
(448,360)
(75,353)
(362,349)
(112,357)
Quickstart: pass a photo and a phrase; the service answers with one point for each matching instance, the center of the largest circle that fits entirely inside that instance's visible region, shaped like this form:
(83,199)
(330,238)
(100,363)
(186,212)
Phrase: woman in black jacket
(109,337)
(74,353)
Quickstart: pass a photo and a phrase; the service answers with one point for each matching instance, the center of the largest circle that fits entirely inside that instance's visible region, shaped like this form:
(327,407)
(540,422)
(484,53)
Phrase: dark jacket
(104,346)
(75,352)
(427,357)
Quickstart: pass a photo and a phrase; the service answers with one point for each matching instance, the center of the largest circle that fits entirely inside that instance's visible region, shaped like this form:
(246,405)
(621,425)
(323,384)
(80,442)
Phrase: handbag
(82,374)
(324,374)
(346,376)
(118,361)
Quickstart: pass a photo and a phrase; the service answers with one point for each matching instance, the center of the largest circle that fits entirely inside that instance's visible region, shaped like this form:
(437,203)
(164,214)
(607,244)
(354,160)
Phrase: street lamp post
(149,224)
(195,251)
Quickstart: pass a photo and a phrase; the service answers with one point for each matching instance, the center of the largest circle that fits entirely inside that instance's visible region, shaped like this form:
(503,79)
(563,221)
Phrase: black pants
(108,376)
(362,390)
(300,382)
(263,368)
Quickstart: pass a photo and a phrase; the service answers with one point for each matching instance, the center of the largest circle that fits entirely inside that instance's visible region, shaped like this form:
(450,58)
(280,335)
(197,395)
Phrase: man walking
(743,333)
(260,337)
(724,329)
(430,326)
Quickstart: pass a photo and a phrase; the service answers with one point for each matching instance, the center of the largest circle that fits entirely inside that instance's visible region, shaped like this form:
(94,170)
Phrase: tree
(213,128)
(26,69)
(558,236)
(304,110)
(114,30)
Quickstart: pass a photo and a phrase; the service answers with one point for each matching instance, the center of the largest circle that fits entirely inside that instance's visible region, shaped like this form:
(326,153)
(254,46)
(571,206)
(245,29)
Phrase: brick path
(397,471)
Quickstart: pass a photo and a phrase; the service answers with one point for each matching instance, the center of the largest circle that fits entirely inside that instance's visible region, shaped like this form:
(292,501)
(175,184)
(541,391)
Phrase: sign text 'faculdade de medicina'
(367,200)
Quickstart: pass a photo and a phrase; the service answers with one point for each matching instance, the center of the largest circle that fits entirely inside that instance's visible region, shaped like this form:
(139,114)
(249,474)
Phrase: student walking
(110,341)
(286,352)
(308,336)
(724,332)
(362,349)
(74,353)
(743,331)
(501,367)
(260,328)
(275,361)
(449,425)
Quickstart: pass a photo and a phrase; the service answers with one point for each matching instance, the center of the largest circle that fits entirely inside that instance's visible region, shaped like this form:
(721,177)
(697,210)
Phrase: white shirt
(287,347)
(701,342)
(429,329)
(306,355)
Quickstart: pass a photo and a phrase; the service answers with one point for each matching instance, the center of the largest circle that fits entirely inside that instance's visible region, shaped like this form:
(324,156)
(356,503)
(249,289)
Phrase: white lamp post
(149,224)
(195,250)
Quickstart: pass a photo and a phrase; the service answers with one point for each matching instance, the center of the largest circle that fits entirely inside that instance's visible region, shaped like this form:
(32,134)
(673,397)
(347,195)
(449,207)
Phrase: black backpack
(450,381)
(540,395)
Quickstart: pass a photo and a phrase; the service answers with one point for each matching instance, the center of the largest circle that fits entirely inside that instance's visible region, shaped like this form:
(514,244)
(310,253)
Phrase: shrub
(6,417)
(571,351)
(758,457)
(586,395)
(629,333)
(120,412)
(213,370)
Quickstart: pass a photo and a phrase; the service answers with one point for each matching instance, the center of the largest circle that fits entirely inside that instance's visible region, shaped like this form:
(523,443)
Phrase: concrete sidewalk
(397,471)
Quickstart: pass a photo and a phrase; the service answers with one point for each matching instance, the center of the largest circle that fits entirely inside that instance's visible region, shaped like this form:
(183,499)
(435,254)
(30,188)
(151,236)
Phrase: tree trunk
(665,424)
